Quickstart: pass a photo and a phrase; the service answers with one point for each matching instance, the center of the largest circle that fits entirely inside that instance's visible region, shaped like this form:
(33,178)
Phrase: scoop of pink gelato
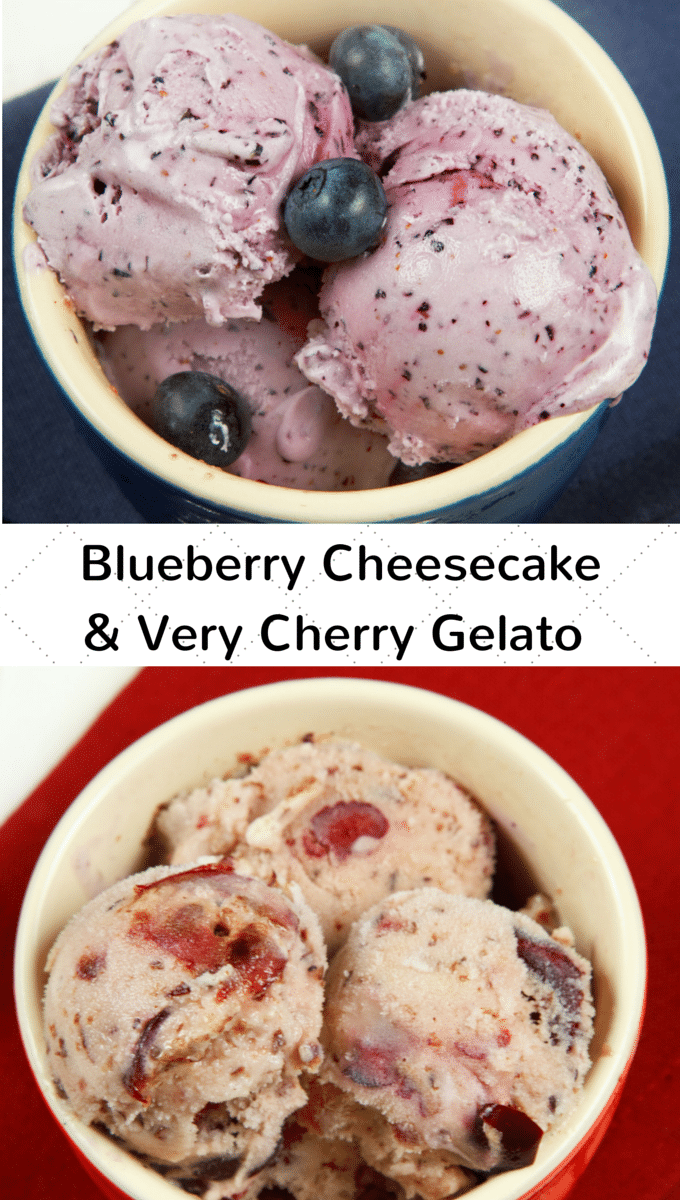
(506,288)
(456,1033)
(158,197)
(342,823)
(180,1011)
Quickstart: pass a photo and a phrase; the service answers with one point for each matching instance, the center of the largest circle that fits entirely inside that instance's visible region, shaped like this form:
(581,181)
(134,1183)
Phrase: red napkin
(614,730)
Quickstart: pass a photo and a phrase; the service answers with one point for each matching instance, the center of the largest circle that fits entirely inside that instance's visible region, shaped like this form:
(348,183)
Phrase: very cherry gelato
(187,1015)
(180,1010)
(456,1034)
(343,823)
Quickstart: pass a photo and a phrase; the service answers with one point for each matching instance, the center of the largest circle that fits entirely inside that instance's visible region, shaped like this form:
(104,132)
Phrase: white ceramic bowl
(546,823)
(538,55)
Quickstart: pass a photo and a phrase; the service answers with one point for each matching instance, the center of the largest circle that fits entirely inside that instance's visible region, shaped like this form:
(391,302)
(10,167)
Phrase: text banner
(341,595)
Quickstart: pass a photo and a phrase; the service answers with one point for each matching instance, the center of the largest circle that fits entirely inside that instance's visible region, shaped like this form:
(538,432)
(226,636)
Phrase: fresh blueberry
(403,474)
(380,66)
(203,416)
(336,210)
(415,58)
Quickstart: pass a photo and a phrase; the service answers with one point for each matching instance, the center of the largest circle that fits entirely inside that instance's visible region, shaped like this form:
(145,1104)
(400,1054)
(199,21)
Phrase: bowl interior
(528,49)
(557,839)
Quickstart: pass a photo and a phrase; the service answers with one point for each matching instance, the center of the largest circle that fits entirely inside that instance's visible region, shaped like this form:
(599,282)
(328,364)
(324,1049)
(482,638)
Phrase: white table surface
(41,38)
(43,712)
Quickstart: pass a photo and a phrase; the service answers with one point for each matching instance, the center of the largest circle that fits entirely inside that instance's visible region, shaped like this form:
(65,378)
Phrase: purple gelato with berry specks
(506,289)
(158,197)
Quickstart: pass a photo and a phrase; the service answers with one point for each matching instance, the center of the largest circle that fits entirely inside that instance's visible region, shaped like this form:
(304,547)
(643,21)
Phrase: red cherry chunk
(554,967)
(258,962)
(89,966)
(337,827)
(205,870)
(189,937)
(520,1135)
(186,934)
(371,1067)
(135,1077)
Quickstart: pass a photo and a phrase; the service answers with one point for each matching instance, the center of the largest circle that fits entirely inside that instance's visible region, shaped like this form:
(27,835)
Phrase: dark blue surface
(50,473)
(631,474)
